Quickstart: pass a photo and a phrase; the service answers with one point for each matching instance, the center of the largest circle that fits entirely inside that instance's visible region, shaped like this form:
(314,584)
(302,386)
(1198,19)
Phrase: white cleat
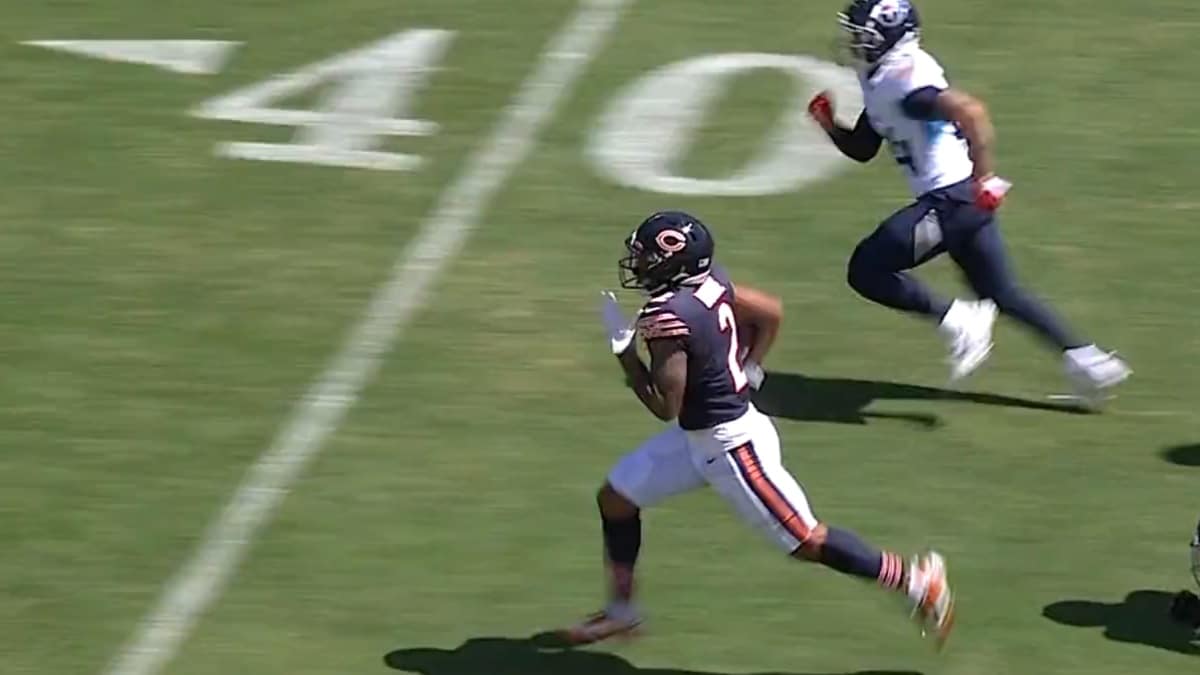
(933,601)
(1092,371)
(967,328)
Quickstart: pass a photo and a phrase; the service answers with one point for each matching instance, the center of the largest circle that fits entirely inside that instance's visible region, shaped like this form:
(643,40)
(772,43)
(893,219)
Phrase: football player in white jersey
(942,137)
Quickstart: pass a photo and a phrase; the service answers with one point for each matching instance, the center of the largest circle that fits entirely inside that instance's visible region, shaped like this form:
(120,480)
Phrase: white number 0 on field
(650,125)
(370,93)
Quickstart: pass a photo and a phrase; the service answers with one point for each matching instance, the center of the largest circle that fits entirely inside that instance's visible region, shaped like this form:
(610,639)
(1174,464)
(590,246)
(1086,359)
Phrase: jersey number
(726,323)
(903,154)
(902,151)
(710,293)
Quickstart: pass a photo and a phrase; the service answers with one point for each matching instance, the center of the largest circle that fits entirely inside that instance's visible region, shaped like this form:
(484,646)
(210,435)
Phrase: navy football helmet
(874,27)
(668,250)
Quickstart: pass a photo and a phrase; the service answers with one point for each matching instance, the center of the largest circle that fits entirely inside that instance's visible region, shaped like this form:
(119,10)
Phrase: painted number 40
(368,94)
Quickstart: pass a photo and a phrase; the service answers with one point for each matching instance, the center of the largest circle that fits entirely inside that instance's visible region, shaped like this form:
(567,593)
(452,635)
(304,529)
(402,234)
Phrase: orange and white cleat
(614,621)
(933,601)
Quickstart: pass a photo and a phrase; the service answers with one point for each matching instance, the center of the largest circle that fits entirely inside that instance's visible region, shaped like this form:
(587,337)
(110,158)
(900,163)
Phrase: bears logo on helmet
(671,241)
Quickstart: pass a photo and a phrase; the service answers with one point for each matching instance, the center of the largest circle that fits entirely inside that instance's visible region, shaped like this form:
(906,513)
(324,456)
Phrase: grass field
(164,308)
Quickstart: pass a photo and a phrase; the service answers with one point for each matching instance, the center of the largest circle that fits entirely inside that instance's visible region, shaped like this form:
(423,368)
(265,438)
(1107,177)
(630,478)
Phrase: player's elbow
(672,405)
(865,152)
(861,150)
(861,157)
(768,311)
(757,308)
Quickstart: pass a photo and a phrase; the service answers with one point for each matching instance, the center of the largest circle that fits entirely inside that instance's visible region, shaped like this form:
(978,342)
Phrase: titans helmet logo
(890,13)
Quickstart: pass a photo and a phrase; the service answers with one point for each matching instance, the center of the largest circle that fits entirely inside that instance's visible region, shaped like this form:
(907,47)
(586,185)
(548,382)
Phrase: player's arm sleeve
(860,143)
(662,323)
(922,82)
(922,103)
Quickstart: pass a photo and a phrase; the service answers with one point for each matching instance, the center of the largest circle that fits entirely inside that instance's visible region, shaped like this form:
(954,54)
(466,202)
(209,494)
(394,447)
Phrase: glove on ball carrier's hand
(620,330)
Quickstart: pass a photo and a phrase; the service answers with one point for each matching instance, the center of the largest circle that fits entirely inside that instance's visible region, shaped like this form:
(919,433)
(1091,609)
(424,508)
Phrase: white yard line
(205,574)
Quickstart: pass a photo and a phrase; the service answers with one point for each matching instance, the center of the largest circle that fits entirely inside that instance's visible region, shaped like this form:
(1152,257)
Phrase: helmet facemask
(637,268)
(860,45)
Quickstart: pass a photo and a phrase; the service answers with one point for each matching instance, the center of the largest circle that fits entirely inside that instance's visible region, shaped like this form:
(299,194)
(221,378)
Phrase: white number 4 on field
(368,95)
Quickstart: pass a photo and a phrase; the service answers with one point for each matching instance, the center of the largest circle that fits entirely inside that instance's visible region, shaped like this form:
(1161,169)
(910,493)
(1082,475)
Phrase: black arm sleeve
(860,143)
(921,104)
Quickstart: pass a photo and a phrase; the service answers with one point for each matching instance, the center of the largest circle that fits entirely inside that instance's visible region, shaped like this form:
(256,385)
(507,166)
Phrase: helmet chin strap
(661,289)
(655,291)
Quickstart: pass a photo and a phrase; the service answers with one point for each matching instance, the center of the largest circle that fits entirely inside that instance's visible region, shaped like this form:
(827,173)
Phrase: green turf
(163,308)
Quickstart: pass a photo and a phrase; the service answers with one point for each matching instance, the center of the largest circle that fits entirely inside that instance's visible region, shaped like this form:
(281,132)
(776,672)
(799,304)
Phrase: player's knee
(613,504)
(866,275)
(859,270)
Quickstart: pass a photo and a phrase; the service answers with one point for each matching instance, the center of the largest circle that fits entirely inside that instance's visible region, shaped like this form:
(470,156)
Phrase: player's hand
(620,329)
(820,108)
(990,191)
(755,374)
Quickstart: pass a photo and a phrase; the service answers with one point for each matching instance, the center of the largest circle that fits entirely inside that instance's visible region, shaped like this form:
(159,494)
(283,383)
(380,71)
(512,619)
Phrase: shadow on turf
(840,400)
(1142,618)
(1183,455)
(539,655)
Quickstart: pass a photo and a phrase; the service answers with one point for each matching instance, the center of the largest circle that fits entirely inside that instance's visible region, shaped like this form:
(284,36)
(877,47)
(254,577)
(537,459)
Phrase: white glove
(754,373)
(620,330)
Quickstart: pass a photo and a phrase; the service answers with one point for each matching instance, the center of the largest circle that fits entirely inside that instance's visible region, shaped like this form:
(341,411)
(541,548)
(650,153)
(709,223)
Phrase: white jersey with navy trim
(933,153)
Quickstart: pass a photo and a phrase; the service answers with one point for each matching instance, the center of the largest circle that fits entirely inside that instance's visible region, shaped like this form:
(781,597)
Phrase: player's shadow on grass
(536,656)
(1142,618)
(844,401)
(1183,455)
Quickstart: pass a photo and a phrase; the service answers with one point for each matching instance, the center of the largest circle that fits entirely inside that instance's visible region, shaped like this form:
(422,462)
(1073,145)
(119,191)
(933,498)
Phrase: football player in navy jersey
(699,380)
(943,138)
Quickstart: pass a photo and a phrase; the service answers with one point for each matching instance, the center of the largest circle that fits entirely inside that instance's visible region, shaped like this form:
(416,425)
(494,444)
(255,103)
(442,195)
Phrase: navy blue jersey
(700,317)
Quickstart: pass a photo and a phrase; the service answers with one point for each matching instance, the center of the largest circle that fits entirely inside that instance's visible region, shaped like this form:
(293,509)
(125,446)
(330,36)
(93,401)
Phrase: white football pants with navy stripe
(739,459)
